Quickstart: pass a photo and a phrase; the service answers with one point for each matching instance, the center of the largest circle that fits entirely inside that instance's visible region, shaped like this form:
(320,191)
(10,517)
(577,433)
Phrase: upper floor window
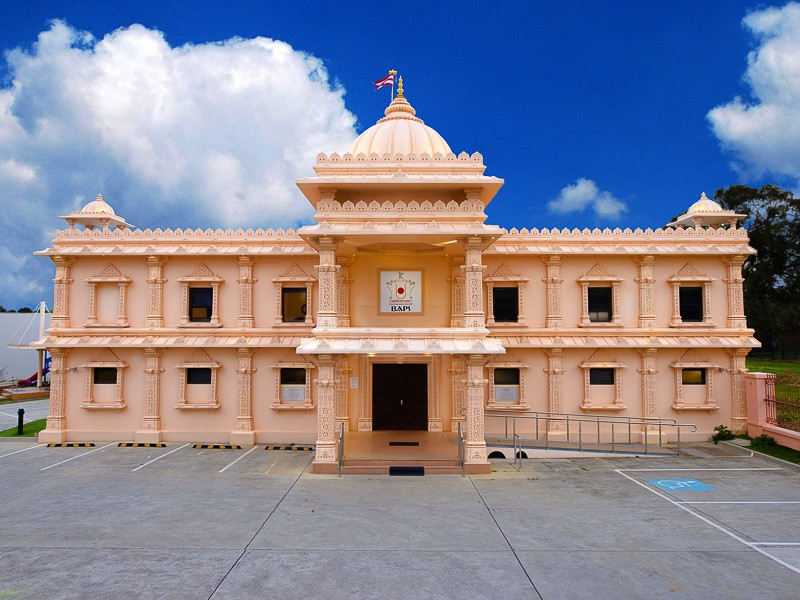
(690,299)
(601,376)
(201,299)
(293,288)
(294,304)
(600,297)
(104,375)
(198,376)
(505,297)
(108,298)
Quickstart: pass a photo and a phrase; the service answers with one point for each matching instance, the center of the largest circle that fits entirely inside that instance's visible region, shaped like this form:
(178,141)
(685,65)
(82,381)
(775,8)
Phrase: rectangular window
(198,376)
(293,385)
(599,304)
(691,303)
(200,301)
(601,376)
(693,376)
(506,385)
(104,375)
(293,305)
(505,303)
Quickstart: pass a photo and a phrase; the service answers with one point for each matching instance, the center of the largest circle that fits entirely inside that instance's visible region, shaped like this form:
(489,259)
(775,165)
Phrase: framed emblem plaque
(401,292)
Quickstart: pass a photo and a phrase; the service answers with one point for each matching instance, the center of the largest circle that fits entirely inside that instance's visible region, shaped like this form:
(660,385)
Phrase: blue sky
(596,114)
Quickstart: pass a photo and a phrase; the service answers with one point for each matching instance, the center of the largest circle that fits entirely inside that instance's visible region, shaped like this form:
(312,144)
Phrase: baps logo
(401,292)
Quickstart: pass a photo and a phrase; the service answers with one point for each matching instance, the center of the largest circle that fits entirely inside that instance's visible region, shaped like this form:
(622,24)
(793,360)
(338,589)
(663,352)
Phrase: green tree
(772,277)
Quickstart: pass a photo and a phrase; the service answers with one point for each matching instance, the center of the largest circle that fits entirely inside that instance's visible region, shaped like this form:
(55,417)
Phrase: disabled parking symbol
(681,485)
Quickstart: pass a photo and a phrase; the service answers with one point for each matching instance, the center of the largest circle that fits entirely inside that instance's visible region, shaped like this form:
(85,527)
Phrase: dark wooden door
(400,397)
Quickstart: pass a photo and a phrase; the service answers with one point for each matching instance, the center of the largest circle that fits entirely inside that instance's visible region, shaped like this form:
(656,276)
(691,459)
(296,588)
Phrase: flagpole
(392,72)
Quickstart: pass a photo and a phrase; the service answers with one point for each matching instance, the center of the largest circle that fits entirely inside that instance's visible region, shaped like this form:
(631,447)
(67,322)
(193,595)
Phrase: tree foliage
(772,277)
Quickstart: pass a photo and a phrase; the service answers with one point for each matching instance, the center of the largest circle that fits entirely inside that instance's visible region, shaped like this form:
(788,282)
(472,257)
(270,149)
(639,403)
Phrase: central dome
(399,132)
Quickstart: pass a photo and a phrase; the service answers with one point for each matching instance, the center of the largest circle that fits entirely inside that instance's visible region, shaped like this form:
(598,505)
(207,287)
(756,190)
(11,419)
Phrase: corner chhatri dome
(399,132)
(704,205)
(98,205)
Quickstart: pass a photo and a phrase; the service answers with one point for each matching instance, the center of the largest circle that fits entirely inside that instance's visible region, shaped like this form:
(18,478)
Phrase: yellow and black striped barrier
(293,448)
(72,445)
(140,445)
(217,446)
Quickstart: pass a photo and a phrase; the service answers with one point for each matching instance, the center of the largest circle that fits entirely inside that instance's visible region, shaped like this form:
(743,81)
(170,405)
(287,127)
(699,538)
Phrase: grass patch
(778,451)
(28,429)
(772,366)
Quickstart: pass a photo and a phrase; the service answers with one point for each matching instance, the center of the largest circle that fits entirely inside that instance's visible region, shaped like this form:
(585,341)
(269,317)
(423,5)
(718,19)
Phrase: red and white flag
(388,80)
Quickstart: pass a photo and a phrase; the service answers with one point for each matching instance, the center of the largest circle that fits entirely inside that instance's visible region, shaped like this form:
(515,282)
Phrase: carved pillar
(155,291)
(555,386)
(473,284)
(326,457)
(474,436)
(738,398)
(734,281)
(246,291)
(646,281)
(553,282)
(151,421)
(648,374)
(61,285)
(243,430)
(122,307)
(342,385)
(326,315)
(91,319)
(456,291)
(343,292)
(459,393)
(55,432)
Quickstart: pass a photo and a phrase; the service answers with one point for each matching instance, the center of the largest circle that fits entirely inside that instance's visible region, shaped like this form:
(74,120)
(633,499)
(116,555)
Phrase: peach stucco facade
(252,336)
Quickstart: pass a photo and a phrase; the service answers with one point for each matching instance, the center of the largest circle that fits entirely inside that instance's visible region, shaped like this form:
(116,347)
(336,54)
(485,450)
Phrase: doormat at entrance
(407,471)
(404,443)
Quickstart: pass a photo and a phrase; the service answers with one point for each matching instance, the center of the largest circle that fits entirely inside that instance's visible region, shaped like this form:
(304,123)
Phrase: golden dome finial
(400,87)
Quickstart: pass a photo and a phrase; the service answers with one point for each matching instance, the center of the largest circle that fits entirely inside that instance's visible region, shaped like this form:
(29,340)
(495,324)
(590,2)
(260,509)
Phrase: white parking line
(226,467)
(748,502)
(79,456)
(730,469)
(23,450)
(159,457)
(24,419)
(753,545)
(776,543)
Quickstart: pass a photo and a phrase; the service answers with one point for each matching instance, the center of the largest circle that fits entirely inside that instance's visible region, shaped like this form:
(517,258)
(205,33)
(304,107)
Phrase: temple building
(400,308)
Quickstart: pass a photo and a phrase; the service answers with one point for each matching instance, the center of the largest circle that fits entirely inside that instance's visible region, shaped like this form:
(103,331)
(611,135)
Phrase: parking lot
(182,522)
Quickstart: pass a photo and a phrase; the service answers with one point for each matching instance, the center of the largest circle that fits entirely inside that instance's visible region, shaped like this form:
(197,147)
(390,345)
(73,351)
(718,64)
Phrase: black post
(20,414)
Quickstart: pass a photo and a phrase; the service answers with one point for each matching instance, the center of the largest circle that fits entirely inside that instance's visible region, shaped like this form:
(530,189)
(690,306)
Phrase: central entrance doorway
(399,397)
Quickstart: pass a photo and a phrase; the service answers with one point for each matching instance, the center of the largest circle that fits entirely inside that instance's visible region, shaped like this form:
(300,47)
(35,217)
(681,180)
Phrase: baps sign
(401,292)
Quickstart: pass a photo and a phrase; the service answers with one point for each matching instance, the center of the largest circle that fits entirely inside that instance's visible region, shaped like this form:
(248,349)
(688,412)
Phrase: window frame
(108,277)
(279,402)
(692,360)
(201,277)
(689,276)
(505,277)
(199,360)
(597,277)
(294,277)
(602,360)
(108,360)
(507,362)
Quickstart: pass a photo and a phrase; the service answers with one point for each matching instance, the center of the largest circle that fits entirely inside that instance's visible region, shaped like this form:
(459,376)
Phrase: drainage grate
(407,471)
(404,443)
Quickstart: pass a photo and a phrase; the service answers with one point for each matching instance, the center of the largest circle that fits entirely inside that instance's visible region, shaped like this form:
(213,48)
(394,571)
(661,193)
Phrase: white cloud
(765,135)
(210,135)
(585,194)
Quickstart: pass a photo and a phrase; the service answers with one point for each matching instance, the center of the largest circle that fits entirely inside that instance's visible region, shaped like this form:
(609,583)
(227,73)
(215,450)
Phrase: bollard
(20,414)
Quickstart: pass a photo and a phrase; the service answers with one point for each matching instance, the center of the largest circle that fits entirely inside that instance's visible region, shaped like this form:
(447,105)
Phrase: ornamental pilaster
(327,268)
(553,285)
(246,282)
(646,281)
(342,379)
(343,291)
(473,284)
(738,397)
(458,372)
(456,291)
(648,373)
(61,287)
(55,431)
(243,432)
(326,415)
(555,386)
(151,420)
(734,281)
(474,435)
(155,291)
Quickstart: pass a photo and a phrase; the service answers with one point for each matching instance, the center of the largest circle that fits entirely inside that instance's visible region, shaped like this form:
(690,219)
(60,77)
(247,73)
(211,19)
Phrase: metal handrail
(341,447)
(461,449)
(647,423)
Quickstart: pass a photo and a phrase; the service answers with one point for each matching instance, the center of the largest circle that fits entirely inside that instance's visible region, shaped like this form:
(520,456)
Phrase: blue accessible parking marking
(681,485)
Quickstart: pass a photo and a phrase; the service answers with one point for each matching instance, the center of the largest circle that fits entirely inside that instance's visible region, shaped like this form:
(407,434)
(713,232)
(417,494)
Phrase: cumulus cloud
(209,135)
(583,195)
(765,134)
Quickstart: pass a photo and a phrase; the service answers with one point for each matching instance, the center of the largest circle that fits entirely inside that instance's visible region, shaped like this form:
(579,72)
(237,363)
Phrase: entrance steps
(382,467)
